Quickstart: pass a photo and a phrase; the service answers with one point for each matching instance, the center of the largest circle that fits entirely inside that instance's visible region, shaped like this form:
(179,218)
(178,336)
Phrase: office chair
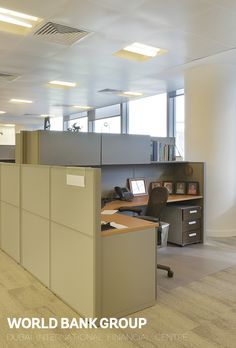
(156,202)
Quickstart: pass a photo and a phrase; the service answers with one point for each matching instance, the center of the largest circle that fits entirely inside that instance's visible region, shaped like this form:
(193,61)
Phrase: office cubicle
(84,149)
(50,225)
(118,175)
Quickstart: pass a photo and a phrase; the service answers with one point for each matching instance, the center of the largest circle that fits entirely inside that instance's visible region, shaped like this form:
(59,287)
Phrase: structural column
(210,136)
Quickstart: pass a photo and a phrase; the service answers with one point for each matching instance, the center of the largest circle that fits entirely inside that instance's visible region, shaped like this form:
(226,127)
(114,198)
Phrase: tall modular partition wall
(50,225)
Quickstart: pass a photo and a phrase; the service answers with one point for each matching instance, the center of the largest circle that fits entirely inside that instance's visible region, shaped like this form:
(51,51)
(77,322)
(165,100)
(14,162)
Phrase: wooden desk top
(142,200)
(133,223)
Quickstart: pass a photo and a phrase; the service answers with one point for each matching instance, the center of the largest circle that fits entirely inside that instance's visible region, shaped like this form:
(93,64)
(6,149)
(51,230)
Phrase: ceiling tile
(43,9)
(172,13)
(85,15)
(217,24)
(118,5)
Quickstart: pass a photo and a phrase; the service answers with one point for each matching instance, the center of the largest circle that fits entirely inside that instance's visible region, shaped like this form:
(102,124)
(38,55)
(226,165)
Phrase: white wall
(7,135)
(210,136)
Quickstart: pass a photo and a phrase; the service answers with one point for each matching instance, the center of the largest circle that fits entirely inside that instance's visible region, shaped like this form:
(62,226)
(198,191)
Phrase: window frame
(172,112)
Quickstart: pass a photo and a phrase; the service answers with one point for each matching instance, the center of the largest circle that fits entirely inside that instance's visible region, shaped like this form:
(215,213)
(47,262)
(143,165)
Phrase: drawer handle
(192,234)
(192,222)
(193,211)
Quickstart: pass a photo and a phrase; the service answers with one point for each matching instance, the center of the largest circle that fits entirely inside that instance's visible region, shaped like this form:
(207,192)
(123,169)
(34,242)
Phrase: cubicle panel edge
(31,147)
(132,256)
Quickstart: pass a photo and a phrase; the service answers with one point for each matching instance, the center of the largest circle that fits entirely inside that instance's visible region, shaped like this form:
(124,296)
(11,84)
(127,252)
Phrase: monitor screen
(138,186)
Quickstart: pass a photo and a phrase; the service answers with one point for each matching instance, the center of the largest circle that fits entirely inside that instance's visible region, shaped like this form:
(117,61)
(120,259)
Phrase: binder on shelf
(163,150)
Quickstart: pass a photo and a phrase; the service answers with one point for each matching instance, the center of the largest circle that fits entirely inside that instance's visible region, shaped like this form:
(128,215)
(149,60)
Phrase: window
(56,123)
(81,122)
(149,116)
(108,125)
(179,124)
(176,118)
(108,119)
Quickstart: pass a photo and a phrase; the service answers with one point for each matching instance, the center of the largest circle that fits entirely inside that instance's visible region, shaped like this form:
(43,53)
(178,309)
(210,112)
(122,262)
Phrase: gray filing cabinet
(185,224)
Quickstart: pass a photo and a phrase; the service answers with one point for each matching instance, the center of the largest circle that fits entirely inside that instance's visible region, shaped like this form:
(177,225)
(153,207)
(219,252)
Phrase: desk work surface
(143,200)
(133,224)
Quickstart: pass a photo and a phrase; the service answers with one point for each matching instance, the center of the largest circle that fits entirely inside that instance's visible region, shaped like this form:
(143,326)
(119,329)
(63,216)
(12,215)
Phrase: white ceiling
(189,29)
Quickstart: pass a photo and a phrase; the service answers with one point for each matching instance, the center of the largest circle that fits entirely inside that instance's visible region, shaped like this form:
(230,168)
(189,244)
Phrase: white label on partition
(75,180)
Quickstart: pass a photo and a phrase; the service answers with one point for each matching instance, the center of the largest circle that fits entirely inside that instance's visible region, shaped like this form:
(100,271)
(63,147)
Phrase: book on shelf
(163,152)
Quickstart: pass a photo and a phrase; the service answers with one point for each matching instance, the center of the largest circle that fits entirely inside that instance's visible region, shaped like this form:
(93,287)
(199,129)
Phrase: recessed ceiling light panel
(142,49)
(23,101)
(62,83)
(15,14)
(2,112)
(83,107)
(132,94)
(139,52)
(17,22)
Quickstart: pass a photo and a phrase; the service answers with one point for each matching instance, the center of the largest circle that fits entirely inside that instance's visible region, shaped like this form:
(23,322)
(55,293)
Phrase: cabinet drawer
(192,213)
(191,237)
(190,225)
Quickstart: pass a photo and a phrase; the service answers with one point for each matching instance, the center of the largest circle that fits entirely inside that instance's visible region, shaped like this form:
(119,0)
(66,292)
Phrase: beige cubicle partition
(50,218)
(51,225)
(27,149)
(129,272)
(10,210)
(35,220)
(75,241)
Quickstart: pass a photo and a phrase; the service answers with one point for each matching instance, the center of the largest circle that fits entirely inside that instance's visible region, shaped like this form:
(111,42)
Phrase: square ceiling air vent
(120,93)
(64,105)
(111,91)
(60,34)
(31,115)
(8,77)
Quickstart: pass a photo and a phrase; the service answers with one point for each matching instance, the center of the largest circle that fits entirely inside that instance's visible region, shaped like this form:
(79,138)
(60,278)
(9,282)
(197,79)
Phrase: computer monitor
(138,186)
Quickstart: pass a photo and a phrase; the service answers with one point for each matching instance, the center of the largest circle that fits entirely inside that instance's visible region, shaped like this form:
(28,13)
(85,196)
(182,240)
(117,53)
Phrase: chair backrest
(156,202)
